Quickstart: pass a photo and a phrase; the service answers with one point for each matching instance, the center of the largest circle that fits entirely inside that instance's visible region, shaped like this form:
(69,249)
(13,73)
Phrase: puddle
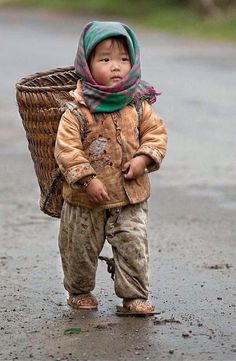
(228,205)
(225,199)
(206,192)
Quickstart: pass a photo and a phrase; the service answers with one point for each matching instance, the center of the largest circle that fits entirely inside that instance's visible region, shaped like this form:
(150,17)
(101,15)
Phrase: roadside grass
(184,21)
(180,20)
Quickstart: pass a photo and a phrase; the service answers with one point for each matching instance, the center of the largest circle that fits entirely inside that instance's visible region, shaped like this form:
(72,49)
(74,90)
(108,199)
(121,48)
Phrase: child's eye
(105,60)
(125,58)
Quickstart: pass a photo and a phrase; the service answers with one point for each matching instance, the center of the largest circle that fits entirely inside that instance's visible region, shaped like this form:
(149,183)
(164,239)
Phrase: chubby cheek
(100,76)
(128,68)
(103,78)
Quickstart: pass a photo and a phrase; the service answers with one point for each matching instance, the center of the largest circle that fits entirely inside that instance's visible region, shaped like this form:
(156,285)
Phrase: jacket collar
(77,94)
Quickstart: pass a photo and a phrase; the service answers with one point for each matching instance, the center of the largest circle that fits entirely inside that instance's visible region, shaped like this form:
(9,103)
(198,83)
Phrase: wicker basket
(37,98)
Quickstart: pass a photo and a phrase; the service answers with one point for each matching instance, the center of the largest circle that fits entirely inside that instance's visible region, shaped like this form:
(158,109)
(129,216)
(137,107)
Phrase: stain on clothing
(82,235)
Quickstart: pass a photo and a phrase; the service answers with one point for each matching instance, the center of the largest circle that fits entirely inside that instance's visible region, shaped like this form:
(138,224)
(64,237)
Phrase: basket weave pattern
(37,99)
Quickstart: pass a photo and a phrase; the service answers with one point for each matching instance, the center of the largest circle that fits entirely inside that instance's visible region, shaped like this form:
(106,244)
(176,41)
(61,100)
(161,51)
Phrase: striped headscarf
(130,90)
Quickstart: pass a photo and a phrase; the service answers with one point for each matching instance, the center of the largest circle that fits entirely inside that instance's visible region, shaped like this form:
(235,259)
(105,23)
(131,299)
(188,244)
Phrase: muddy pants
(82,235)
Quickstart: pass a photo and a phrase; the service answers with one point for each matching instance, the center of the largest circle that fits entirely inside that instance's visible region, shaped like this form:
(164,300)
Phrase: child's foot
(135,307)
(83,301)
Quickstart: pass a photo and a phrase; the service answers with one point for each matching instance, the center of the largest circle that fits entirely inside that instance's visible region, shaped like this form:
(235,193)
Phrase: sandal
(135,307)
(84,301)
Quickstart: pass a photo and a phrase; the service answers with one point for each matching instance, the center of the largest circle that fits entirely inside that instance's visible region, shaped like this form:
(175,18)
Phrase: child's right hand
(97,191)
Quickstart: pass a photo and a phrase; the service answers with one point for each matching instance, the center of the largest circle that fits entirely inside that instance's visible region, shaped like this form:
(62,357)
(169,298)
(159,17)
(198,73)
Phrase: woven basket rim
(22,83)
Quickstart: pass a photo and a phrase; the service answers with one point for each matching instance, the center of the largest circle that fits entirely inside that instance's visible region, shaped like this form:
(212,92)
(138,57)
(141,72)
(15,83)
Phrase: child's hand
(136,167)
(97,191)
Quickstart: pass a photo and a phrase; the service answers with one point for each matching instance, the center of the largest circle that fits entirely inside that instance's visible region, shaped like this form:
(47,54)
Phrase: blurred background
(189,54)
(214,19)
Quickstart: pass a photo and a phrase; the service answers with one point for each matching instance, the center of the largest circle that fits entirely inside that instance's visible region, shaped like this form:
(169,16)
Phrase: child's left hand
(136,167)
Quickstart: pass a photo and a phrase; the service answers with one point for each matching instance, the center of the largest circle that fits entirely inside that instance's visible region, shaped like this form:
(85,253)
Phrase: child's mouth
(116,78)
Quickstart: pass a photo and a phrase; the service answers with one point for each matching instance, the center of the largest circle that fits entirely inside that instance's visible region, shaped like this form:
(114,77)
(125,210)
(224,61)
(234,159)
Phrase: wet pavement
(192,228)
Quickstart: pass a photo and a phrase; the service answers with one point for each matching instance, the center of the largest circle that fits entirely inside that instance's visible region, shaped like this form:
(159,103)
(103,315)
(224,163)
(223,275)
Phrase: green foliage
(167,15)
(72,331)
(184,21)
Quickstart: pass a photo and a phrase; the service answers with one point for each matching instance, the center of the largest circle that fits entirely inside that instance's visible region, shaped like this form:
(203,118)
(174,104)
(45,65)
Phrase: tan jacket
(106,145)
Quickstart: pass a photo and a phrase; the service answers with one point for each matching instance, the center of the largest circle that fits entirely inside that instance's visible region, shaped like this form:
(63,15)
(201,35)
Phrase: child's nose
(115,66)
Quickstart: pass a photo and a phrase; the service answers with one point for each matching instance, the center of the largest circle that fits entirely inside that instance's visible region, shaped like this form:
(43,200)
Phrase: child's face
(110,63)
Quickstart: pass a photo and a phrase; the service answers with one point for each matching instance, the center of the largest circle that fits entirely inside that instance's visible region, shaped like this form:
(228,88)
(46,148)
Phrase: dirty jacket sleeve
(69,153)
(153,137)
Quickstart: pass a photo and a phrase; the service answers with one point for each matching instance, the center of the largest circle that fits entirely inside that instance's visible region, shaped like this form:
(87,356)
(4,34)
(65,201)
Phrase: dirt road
(192,226)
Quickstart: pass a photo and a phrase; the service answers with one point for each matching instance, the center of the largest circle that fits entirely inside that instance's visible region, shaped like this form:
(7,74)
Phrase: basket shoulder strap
(140,115)
(80,116)
(66,101)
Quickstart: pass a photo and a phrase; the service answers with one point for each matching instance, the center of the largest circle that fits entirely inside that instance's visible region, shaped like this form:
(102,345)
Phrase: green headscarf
(130,90)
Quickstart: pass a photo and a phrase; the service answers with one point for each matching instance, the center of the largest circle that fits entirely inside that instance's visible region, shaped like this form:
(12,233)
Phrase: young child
(104,162)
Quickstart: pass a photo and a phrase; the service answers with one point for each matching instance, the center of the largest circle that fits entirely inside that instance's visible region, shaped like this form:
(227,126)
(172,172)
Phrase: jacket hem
(105,206)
